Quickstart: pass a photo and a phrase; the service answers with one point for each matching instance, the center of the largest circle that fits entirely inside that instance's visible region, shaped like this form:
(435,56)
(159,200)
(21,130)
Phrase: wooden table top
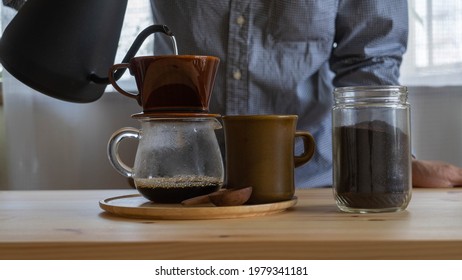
(69,224)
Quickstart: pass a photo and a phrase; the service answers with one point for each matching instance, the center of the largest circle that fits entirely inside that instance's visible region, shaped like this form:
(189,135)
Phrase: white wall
(436,117)
(3,173)
(52,144)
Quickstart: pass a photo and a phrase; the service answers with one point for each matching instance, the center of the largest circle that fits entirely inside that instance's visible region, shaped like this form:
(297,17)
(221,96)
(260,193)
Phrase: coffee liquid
(373,166)
(176,189)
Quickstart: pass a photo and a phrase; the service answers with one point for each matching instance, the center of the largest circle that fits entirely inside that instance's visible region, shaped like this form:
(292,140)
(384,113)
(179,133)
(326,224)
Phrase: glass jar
(371,149)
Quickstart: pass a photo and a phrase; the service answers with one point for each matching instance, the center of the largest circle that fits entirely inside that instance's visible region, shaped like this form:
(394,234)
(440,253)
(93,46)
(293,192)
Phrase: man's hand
(432,174)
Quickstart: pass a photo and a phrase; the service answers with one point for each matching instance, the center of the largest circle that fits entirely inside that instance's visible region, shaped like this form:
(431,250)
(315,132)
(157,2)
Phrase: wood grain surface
(69,224)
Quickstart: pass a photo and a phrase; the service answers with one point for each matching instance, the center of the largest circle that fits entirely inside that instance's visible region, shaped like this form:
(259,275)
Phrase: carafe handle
(308,148)
(113,149)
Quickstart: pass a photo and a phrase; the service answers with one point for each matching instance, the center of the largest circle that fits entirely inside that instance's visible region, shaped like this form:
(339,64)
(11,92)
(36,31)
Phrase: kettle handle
(134,49)
(113,149)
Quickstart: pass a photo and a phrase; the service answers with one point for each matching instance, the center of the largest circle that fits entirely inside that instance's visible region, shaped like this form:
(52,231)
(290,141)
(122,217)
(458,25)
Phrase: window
(137,17)
(434,55)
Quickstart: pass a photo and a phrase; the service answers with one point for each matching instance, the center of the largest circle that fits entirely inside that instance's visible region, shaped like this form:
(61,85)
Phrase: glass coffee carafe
(177,157)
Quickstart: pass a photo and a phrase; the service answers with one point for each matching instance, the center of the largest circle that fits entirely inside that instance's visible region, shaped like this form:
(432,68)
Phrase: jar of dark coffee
(371,149)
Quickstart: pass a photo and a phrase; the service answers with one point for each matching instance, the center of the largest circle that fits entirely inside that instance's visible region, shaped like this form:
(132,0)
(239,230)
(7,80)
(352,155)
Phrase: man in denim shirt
(285,57)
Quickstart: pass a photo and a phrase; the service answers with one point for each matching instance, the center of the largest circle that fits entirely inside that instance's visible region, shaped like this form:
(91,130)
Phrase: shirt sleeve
(370,40)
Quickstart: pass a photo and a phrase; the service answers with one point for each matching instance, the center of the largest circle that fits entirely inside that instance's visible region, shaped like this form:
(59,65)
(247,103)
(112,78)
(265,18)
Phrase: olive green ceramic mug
(260,154)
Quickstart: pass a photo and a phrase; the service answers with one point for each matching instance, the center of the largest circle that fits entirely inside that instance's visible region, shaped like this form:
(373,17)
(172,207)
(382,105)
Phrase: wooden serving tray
(136,206)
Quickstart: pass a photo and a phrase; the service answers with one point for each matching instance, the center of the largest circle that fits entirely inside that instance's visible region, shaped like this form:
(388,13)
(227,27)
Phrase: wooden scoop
(223,197)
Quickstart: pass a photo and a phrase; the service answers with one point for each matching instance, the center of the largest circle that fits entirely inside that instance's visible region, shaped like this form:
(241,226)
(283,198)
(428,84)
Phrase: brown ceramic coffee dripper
(167,83)
(170,83)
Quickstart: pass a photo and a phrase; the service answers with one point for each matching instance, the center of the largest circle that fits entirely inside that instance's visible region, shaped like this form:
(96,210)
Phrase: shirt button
(237,75)
(240,20)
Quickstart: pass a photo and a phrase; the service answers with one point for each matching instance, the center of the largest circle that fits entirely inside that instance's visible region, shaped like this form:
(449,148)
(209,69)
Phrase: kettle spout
(134,49)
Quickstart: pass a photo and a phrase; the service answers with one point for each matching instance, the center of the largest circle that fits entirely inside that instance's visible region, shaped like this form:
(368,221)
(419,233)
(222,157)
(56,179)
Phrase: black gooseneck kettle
(65,48)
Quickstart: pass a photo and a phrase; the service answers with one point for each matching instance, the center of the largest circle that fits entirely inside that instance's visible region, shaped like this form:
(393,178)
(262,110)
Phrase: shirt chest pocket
(294,21)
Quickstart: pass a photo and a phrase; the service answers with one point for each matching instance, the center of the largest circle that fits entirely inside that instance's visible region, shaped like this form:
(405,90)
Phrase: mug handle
(308,148)
(113,149)
(113,81)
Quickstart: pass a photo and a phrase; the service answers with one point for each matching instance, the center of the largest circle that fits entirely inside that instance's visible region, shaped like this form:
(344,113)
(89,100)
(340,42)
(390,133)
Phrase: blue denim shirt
(285,57)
